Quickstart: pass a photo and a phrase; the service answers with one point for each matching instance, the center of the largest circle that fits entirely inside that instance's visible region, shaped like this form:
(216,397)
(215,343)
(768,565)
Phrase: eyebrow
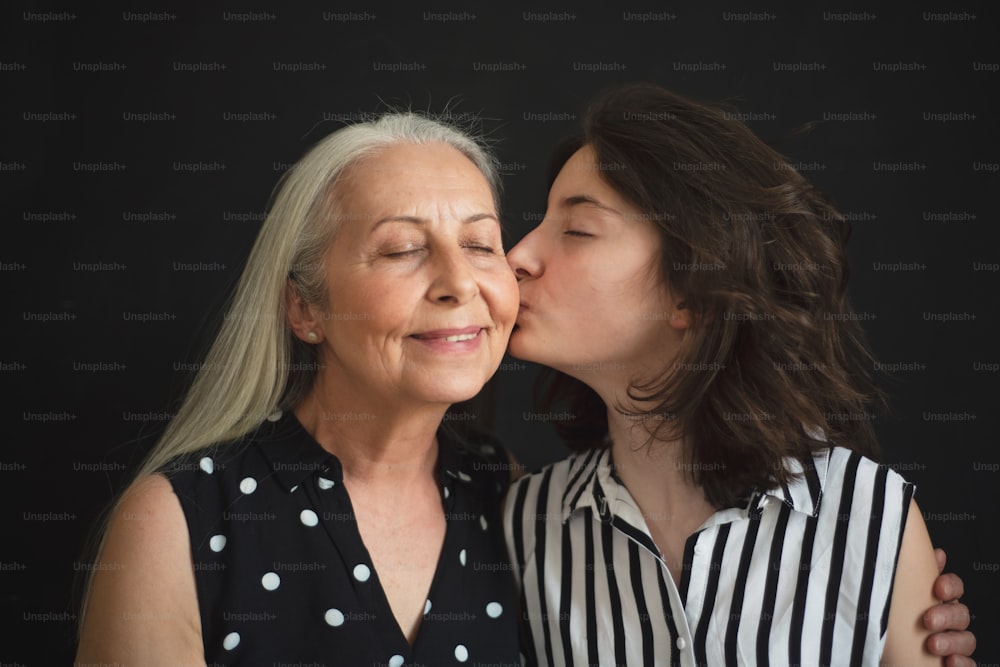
(414,220)
(577,200)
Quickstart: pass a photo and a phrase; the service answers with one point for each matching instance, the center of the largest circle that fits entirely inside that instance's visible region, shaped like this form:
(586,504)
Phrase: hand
(949,620)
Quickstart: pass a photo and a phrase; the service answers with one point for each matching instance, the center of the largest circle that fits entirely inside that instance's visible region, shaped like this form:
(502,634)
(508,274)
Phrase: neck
(654,472)
(376,443)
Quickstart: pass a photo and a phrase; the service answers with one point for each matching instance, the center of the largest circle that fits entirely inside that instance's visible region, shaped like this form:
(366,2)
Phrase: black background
(100,211)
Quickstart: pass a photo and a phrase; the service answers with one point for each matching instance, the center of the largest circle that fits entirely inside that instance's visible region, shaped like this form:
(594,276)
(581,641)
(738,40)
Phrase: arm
(143,604)
(949,620)
(916,570)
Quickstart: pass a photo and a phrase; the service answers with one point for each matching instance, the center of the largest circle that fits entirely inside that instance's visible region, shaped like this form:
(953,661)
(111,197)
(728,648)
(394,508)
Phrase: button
(681,643)
(699,549)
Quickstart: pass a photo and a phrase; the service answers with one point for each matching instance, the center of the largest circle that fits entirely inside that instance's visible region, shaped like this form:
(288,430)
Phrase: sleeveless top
(802,574)
(283,576)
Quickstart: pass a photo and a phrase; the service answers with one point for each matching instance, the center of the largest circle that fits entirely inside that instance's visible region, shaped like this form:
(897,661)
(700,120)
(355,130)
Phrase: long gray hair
(255,365)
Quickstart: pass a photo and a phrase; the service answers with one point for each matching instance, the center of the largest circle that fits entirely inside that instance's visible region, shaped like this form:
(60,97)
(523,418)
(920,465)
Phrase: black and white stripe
(801,575)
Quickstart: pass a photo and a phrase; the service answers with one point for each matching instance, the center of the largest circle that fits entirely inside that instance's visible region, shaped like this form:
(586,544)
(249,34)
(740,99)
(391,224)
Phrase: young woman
(690,286)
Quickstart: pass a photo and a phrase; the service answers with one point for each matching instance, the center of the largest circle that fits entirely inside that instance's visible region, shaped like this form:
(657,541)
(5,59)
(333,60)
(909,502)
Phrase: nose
(524,258)
(454,279)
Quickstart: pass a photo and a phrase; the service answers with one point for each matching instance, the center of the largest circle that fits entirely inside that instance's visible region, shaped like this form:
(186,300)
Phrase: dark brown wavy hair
(775,363)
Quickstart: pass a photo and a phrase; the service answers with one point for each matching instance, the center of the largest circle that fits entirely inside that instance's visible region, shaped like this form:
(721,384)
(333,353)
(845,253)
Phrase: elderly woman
(691,287)
(306,505)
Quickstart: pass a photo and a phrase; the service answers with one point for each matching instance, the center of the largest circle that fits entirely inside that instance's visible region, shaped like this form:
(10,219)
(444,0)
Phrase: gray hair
(256,366)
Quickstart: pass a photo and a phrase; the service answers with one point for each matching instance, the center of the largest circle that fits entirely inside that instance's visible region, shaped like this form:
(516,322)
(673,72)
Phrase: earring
(312,336)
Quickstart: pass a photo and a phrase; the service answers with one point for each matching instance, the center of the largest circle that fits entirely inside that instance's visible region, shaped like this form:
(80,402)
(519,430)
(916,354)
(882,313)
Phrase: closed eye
(403,254)
(576,233)
(479,247)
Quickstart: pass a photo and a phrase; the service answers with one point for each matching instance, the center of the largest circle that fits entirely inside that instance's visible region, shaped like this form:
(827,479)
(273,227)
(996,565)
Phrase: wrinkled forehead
(421,182)
(418,171)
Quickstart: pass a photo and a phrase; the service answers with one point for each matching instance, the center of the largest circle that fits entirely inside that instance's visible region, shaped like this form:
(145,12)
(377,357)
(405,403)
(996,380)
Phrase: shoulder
(857,490)
(564,473)
(535,495)
(147,508)
(209,463)
(848,468)
(538,502)
(208,480)
(147,521)
(142,602)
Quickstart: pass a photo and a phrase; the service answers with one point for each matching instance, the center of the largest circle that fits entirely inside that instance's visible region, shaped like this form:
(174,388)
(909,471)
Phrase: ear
(680,319)
(302,319)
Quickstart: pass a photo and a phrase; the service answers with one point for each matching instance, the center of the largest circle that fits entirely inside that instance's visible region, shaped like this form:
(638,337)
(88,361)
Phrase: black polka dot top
(284,578)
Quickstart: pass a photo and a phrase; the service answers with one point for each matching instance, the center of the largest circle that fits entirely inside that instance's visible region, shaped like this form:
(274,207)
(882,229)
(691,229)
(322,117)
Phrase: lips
(449,335)
(524,312)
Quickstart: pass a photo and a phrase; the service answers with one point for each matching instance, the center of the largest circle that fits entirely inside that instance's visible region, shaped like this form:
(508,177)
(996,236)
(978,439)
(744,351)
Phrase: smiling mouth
(455,339)
(452,336)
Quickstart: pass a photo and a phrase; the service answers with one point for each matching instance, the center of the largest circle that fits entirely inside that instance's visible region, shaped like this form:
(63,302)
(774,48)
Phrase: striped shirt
(800,575)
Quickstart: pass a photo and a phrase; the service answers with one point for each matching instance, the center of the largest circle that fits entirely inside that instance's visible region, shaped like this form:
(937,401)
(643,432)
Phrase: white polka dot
(334,617)
(461,556)
(231,641)
(447,492)
(482,522)
(217,543)
(464,477)
(396,661)
(293,489)
(308,518)
(248,485)
(461,653)
(427,607)
(361,572)
(207,464)
(494,609)
(274,416)
(324,483)
(488,449)
(270,581)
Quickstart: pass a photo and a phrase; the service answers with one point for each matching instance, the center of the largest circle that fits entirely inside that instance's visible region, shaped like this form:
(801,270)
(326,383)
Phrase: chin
(453,392)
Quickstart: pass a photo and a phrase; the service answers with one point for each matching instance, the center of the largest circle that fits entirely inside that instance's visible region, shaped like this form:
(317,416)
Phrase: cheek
(510,297)
(498,286)
(371,308)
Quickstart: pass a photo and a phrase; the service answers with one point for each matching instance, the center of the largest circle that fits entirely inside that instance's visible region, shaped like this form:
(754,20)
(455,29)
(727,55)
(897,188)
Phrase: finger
(951,616)
(952,643)
(948,587)
(941,557)
(959,661)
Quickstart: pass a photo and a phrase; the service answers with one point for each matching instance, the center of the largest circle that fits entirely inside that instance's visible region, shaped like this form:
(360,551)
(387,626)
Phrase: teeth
(455,339)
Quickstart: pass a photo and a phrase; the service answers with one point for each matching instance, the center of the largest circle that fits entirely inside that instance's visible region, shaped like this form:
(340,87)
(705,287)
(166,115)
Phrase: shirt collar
(294,455)
(593,483)
(805,491)
(590,480)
